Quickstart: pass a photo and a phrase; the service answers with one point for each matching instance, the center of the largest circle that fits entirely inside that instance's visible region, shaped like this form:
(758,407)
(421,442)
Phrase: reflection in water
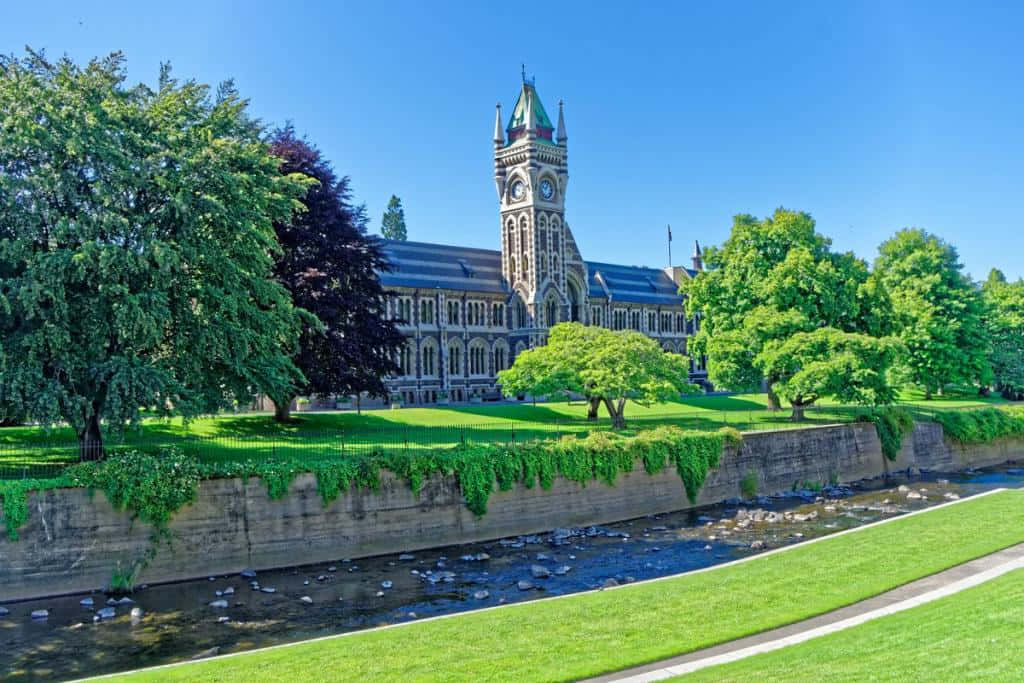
(179,623)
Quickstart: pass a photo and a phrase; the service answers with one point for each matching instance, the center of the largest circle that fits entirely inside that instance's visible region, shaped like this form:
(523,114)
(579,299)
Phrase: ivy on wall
(155,486)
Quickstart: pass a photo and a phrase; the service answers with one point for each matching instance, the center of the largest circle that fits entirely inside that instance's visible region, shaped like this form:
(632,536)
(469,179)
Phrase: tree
(136,248)
(853,368)
(392,227)
(770,280)
(1005,321)
(606,367)
(938,312)
(329,265)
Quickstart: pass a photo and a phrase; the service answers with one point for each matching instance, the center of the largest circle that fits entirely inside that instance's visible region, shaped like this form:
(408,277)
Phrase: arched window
(477,357)
(429,358)
(405,359)
(551,312)
(500,356)
(454,357)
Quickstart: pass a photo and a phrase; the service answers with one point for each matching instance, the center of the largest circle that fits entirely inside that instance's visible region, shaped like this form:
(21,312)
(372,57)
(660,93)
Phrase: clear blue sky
(872,116)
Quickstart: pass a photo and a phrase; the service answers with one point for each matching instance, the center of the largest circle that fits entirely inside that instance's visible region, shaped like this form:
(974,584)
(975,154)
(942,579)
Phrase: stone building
(468,312)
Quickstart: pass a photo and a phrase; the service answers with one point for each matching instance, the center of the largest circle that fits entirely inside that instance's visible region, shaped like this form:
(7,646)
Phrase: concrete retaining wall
(72,542)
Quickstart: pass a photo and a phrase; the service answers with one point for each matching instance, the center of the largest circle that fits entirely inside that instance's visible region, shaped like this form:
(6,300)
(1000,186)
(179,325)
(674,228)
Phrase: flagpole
(669,246)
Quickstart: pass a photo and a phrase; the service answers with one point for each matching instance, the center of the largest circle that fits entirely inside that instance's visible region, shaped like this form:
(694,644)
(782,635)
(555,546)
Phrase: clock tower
(539,258)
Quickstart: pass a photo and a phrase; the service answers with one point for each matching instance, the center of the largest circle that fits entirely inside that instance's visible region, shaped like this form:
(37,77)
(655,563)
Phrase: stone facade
(467,313)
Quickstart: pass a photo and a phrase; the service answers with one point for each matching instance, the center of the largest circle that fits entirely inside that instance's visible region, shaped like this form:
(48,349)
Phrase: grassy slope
(318,433)
(973,635)
(588,634)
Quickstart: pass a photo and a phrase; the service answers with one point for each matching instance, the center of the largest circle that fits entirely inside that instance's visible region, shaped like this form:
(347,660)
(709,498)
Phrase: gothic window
(595,316)
(453,312)
(551,312)
(498,315)
(500,355)
(512,270)
(454,357)
(652,321)
(619,319)
(634,319)
(429,358)
(405,359)
(477,357)
(403,310)
(426,312)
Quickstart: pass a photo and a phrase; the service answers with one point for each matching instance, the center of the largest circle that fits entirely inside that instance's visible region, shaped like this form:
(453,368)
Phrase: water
(178,623)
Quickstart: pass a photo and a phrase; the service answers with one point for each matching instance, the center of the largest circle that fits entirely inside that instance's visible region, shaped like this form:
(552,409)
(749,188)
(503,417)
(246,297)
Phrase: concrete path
(905,597)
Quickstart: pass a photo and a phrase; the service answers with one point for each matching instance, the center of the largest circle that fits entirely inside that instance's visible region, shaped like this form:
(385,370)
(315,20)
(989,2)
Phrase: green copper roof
(517,122)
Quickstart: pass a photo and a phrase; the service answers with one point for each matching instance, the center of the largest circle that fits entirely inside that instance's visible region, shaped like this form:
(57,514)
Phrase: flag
(670,233)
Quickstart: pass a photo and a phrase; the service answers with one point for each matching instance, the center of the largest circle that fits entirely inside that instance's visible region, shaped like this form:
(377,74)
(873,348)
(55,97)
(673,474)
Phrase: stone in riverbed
(248,574)
(406,557)
(539,572)
(757,545)
(951,496)
(386,584)
(230,590)
(86,602)
(219,604)
(902,488)
(481,595)
(40,614)
(306,599)
(914,495)
(223,620)
(480,557)
(268,589)
(562,570)
(105,613)
(609,583)
(4,611)
(524,585)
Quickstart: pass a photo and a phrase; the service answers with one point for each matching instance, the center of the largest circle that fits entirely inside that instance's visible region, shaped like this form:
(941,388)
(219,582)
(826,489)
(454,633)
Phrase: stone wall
(71,542)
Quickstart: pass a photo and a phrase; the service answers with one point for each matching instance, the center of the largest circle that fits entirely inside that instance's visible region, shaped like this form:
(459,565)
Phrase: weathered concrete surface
(72,543)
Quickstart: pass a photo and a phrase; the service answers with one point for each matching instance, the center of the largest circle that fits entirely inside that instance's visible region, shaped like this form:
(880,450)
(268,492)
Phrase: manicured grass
(229,437)
(592,633)
(973,635)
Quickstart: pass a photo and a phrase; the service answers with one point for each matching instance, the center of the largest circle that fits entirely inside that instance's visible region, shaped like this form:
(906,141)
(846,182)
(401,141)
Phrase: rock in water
(386,584)
(481,595)
(219,604)
(562,570)
(268,589)
(136,613)
(306,599)
(951,496)
(230,590)
(86,602)
(539,572)
(40,614)
(4,611)
(610,583)
(406,557)
(524,585)
(223,620)
(248,574)
(105,613)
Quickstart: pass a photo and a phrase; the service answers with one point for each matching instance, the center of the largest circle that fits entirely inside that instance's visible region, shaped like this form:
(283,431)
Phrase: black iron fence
(21,459)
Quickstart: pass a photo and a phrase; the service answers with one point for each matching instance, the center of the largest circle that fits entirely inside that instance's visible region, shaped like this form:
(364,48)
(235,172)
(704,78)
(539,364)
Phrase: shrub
(892,423)
(981,426)
(748,484)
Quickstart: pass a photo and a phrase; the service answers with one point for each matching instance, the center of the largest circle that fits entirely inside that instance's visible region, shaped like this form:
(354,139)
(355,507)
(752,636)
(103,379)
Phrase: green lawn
(973,635)
(328,434)
(592,633)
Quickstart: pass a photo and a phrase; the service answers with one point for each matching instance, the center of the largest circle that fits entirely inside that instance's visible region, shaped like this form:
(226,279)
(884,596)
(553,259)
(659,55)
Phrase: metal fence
(43,459)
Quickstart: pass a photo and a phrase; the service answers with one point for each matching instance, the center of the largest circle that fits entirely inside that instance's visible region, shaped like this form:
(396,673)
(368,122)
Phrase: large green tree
(850,367)
(771,279)
(1005,322)
(604,366)
(938,312)
(136,248)
(392,226)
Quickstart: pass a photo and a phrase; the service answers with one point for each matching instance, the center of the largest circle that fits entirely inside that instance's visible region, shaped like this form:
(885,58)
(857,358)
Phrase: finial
(499,134)
(560,136)
(524,72)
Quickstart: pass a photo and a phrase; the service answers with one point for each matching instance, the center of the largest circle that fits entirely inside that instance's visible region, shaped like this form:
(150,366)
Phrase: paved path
(905,597)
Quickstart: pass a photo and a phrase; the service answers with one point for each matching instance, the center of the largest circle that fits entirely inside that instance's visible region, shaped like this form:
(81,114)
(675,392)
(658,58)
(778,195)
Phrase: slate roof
(632,284)
(429,266)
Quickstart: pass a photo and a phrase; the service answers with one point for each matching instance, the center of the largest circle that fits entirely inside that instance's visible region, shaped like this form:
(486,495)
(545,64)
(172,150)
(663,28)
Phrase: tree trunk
(592,405)
(773,398)
(798,411)
(282,410)
(615,413)
(359,404)
(90,440)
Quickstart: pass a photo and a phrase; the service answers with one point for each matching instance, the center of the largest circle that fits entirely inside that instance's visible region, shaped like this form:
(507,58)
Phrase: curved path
(909,595)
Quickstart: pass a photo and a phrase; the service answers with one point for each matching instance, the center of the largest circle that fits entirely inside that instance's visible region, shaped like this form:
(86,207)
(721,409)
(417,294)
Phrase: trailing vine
(153,486)
(892,423)
(984,425)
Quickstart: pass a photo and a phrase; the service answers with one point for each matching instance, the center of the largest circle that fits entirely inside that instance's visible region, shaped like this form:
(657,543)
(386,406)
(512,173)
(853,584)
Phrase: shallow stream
(178,621)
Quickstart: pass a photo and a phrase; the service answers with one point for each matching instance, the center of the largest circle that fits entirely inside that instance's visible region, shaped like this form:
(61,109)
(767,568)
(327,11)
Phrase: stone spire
(698,258)
(499,134)
(560,136)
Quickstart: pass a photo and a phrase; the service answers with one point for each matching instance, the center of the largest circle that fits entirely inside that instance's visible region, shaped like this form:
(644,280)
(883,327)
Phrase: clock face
(546,189)
(518,189)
